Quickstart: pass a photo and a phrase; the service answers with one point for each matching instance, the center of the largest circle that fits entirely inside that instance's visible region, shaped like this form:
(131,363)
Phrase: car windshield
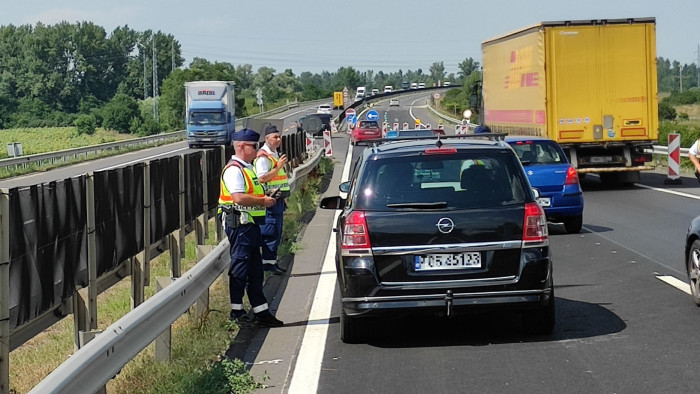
(207,118)
(538,152)
(463,180)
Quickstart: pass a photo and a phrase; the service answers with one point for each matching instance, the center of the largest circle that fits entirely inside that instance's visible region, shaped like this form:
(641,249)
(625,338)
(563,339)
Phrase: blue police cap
(246,135)
(271,129)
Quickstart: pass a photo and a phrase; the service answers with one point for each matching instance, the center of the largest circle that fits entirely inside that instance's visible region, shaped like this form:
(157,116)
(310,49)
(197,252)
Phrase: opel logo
(445,225)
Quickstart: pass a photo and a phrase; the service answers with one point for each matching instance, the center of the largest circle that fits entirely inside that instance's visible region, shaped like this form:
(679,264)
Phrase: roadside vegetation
(198,363)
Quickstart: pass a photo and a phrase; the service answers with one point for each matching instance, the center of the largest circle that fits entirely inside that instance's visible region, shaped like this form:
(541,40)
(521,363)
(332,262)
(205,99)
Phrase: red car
(365,130)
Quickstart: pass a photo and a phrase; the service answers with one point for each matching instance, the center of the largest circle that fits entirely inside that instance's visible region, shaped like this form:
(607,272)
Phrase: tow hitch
(449,297)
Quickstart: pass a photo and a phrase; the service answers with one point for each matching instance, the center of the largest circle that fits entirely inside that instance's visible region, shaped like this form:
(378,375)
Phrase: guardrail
(94,364)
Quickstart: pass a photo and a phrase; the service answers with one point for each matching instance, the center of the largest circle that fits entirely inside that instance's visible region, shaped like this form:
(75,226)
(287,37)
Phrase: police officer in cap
(243,202)
(269,166)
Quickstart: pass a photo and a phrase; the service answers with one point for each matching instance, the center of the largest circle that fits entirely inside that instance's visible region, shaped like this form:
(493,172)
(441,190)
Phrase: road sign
(372,115)
(350,112)
(351,118)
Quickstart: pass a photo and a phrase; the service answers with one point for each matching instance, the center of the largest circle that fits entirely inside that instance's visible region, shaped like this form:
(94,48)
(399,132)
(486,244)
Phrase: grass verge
(198,345)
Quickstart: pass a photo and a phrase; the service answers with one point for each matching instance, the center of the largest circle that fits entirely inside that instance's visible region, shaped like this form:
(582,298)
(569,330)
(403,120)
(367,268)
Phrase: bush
(689,131)
(666,112)
(119,113)
(85,124)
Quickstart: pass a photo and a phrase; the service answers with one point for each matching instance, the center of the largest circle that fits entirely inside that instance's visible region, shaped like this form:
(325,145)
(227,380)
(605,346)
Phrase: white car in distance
(324,109)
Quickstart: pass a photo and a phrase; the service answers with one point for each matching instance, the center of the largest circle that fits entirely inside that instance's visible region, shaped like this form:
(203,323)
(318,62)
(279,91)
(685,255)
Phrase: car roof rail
(437,137)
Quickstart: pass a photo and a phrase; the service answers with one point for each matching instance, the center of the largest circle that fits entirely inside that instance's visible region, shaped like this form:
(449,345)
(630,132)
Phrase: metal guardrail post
(204,218)
(163,344)
(85,299)
(177,238)
(4,291)
(219,226)
(139,264)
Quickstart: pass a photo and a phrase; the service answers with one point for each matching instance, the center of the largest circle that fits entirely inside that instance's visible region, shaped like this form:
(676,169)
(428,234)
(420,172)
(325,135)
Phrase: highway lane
(619,328)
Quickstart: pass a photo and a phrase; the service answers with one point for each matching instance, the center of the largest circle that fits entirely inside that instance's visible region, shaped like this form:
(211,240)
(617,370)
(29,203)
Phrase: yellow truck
(590,85)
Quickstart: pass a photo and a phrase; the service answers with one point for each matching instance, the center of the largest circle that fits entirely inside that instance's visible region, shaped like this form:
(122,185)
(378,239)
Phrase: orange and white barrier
(405,126)
(674,159)
(327,142)
(396,126)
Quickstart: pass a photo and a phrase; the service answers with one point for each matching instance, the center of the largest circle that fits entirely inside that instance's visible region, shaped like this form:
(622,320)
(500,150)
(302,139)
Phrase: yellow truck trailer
(590,85)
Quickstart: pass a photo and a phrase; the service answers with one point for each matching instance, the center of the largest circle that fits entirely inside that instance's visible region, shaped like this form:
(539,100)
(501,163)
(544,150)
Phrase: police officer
(243,203)
(269,166)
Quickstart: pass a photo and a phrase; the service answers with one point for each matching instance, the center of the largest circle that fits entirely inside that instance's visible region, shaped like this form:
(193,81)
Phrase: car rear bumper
(437,303)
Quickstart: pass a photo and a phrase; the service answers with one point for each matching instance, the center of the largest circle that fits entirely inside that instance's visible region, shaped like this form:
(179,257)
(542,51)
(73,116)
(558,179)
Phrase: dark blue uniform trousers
(246,265)
(272,230)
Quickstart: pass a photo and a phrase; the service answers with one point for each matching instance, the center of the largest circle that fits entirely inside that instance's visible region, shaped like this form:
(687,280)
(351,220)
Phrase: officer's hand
(282,161)
(269,201)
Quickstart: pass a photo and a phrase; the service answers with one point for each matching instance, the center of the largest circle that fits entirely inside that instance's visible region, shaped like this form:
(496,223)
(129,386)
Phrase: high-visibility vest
(280,179)
(254,214)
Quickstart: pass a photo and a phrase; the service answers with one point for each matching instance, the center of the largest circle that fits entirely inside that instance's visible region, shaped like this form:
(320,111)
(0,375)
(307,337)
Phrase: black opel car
(441,226)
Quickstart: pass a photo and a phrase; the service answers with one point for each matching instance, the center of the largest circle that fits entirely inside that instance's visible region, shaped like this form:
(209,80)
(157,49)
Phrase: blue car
(550,172)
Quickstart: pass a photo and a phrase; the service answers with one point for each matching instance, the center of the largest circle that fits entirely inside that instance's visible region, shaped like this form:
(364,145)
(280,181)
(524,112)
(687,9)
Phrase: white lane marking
(668,191)
(307,368)
(677,283)
(142,159)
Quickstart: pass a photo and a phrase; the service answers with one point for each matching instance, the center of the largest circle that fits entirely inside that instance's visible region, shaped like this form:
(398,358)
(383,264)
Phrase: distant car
(440,228)
(315,124)
(421,85)
(692,259)
(324,109)
(359,97)
(388,89)
(549,171)
(414,133)
(414,85)
(374,92)
(394,102)
(365,130)
(446,83)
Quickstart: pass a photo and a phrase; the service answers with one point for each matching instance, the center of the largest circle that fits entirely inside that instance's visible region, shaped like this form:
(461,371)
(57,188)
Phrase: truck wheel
(193,146)
(694,271)
(540,321)
(573,224)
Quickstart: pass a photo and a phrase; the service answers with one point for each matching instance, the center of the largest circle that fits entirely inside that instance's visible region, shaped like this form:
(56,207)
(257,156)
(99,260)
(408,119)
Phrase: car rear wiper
(419,205)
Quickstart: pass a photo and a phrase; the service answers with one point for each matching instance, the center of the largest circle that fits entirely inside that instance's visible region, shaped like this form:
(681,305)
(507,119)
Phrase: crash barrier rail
(75,153)
(92,366)
(63,243)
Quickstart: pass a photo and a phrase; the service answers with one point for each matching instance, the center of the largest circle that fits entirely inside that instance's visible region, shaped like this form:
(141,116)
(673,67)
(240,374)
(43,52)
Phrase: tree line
(76,74)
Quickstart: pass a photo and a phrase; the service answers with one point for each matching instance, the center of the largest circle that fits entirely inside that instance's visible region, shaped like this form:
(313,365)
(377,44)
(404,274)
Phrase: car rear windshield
(462,180)
(539,152)
(369,125)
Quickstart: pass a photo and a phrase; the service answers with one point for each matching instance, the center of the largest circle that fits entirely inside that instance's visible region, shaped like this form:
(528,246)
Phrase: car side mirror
(344,187)
(334,202)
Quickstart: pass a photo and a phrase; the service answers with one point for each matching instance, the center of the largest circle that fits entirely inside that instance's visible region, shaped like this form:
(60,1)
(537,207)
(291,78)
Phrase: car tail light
(641,159)
(571,176)
(355,234)
(535,223)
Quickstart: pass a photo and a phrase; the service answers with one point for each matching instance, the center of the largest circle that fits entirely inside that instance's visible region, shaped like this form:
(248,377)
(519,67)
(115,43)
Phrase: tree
(119,113)
(466,68)
(85,124)
(437,72)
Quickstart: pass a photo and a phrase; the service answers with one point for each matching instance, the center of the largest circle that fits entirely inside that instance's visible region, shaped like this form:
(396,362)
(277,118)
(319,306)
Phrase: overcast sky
(379,35)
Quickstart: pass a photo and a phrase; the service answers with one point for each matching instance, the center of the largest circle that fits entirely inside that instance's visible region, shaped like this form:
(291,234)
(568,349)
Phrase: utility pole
(143,53)
(155,81)
(680,73)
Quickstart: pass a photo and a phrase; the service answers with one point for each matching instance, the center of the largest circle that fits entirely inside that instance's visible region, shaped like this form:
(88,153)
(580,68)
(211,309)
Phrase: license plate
(544,201)
(601,159)
(434,262)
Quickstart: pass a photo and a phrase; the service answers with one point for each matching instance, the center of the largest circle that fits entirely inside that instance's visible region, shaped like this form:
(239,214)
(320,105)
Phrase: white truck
(210,112)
